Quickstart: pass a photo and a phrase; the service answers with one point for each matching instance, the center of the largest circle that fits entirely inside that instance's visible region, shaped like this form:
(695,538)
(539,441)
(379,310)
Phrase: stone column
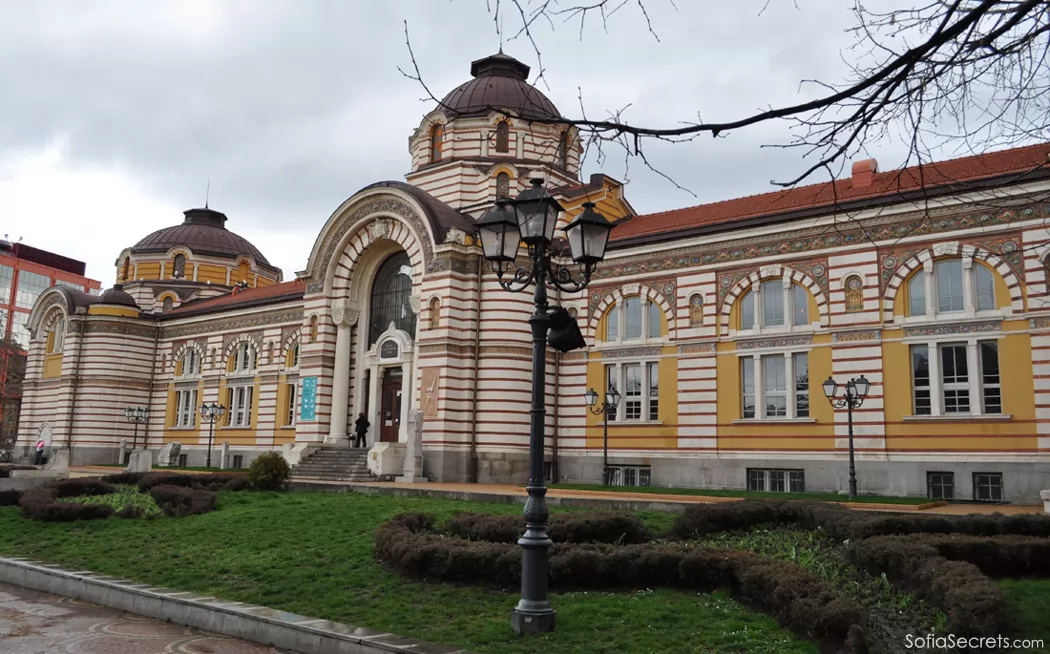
(344,315)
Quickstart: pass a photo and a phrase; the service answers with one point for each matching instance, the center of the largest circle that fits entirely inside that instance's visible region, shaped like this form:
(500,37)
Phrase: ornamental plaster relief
(219,325)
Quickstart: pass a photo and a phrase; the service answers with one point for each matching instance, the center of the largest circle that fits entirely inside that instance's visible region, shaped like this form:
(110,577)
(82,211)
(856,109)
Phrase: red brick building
(25,273)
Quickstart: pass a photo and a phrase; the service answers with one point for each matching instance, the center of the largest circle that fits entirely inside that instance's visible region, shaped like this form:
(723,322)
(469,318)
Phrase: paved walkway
(38,623)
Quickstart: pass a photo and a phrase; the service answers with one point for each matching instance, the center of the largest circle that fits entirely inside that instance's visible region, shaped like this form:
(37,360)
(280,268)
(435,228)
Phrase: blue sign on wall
(308,411)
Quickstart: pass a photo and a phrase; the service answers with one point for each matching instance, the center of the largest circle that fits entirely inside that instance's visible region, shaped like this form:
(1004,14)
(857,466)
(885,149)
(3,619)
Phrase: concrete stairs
(334,464)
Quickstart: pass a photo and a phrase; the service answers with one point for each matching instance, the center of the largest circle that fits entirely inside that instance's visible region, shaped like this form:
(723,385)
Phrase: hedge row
(614,528)
(972,601)
(39,504)
(179,501)
(231,482)
(845,524)
(795,597)
(10,497)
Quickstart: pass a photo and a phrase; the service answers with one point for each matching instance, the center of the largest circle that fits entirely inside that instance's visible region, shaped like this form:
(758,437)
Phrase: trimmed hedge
(972,601)
(614,528)
(795,597)
(179,501)
(846,524)
(39,504)
(10,497)
(124,478)
(208,482)
(82,487)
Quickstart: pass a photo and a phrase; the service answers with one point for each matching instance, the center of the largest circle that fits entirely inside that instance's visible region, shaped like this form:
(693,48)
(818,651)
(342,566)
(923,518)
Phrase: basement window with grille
(630,476)
(772,480)
(238,461)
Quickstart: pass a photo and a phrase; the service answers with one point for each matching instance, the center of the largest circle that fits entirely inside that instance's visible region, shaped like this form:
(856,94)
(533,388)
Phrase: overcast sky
(114,115)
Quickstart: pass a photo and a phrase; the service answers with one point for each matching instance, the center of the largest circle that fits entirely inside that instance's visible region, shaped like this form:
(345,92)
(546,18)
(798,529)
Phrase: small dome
(204,232)
(500,82)
(117,296)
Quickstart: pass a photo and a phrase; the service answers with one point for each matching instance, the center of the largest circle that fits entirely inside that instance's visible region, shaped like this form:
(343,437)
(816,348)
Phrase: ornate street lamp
(849,395)
(531,219)
(209,414)
(137,415)
(607,408)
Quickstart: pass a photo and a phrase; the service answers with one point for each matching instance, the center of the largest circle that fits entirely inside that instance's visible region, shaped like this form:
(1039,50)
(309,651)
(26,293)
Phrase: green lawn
(311,553)
(823,497)
(1029,605)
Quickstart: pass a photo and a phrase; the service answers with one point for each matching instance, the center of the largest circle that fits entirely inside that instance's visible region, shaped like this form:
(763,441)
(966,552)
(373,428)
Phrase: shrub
(179,501)
(39,504)
(269,471)
(563,528)
(125,478)
(797,598)
(83,487)
(130,511)
(9,497)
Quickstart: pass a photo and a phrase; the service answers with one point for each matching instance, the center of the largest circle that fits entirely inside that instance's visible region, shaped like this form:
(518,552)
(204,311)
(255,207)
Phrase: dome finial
(207,193)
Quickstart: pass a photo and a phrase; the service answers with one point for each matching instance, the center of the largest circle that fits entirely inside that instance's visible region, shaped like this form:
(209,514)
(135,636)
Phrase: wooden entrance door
(390,406)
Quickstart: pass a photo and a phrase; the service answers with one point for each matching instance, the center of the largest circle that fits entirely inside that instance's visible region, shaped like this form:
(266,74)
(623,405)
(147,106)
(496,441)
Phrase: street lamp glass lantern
(128,412)
(500,238)
(612,398)
(142,412)
(588,235)
(592,397)
(830,388)
(537,214)
(862,385)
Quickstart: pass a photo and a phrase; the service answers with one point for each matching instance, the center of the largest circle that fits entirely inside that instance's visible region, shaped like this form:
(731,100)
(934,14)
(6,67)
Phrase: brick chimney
(863,172)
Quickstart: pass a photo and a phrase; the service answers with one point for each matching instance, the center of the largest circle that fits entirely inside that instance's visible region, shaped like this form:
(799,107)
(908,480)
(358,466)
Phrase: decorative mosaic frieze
(506,349)
(854,336)
(1038,323)
(780,341)
(453,262)
(450,349)
(127,329)
(238,323)
(667,286)
(574,356)
(949,329)
(698,348)
(819,238)
(624,352)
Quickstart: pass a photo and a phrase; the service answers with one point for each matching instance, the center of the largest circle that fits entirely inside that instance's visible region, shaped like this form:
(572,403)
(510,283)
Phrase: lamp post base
(528,622)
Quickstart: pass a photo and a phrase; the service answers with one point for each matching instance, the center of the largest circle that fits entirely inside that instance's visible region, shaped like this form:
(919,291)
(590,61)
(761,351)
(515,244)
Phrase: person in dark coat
(360,429)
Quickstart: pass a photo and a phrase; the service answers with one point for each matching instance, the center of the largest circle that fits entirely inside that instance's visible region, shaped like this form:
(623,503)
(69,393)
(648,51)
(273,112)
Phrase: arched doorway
(389,313)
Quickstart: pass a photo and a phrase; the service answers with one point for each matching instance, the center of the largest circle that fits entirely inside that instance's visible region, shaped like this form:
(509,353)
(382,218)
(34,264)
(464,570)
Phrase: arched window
(292,360)
(243,358)
(437,134)
(167,304)
(313,329)
(634,317)
(56,338)
(563,150)
(178,267)
(125,271)
(435,313)
(503,185)
(782,305)
(502,136)
(946,293)
(243,270)
(189,364)
(390,302)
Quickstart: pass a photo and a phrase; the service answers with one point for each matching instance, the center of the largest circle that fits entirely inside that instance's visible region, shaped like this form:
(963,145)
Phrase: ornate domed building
(714,323)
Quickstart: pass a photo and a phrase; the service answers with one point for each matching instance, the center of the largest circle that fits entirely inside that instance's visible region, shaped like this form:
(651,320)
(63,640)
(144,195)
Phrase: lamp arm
(523,277)
(597,409)
(563,279)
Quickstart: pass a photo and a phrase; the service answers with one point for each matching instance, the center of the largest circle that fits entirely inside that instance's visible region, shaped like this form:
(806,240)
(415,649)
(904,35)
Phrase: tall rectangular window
(799,305)
(632,397)
(290,416)
(20,328)
(654,391)
(917,294)
(985,283)
(612,383)
(775,386)
(239,399)
(772,292)
(30,286)
(7,277)
(186,408)
(801,361)
(949,277)
(632,317)
(747,311)
(747,376)
(612,323)
(654,314)
(991,390)
(920,380)
(955,382)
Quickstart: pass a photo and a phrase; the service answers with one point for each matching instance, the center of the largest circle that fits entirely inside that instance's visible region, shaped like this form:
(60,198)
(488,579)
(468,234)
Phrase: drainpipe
(76,389)
(472,462)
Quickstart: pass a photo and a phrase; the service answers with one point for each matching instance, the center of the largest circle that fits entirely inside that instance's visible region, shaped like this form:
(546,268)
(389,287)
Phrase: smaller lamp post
(612,400)
(137,415)
(849,395)
(209,414)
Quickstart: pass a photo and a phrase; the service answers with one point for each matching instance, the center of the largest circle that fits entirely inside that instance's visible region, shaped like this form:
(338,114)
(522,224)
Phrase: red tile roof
(275,293)
(828,194)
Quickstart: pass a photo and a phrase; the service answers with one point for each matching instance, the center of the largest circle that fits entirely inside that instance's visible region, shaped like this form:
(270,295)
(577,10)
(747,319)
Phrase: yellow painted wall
(111,310)
(625,435)
(52,365)
(962,434)
(145,270)
(756,435)
(283,433)
(236,435)
(211,273)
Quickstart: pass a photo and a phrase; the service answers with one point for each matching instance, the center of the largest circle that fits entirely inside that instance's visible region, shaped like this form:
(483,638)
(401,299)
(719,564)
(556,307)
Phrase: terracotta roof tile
(888,184)
(287,290)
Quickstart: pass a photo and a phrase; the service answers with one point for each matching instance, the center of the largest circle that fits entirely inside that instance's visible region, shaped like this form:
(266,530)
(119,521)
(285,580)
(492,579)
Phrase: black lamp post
(612,400)
(531,219)
(849,395)
(137,415)
(209,414)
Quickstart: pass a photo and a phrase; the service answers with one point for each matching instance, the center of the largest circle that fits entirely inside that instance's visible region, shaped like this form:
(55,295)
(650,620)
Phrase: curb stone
(258,624)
